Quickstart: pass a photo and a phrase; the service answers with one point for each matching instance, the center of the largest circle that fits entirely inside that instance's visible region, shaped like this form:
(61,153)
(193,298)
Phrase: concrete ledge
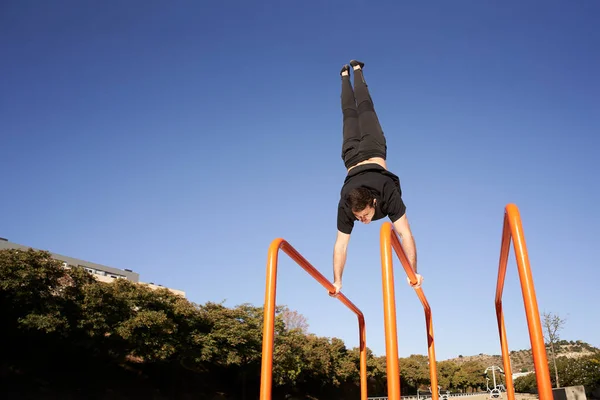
(569,393)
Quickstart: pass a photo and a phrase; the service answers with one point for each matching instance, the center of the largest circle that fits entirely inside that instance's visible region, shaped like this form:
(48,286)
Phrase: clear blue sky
(180,138)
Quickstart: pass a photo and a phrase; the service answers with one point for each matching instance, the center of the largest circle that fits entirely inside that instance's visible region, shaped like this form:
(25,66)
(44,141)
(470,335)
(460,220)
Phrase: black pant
(363,136)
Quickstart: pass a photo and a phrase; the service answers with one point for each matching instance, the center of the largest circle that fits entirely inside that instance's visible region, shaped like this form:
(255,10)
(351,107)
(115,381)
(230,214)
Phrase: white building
(99,271)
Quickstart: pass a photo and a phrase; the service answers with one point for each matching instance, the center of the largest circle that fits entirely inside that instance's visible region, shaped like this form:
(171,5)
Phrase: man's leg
(373,143)
(351,130)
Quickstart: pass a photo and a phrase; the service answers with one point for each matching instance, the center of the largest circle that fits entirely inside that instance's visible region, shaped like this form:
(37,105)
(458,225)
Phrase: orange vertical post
(266,376)
(388,240)
(389,316)
(513,229)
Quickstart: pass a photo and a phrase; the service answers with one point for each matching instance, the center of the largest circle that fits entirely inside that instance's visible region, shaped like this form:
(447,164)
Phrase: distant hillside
(522,360)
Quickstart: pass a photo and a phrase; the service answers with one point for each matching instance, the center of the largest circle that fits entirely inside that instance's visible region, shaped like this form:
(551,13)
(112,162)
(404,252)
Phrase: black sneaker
(345,68)
(354,63)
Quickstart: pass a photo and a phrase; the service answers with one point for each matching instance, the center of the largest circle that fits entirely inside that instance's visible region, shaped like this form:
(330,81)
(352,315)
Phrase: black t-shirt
(385,187)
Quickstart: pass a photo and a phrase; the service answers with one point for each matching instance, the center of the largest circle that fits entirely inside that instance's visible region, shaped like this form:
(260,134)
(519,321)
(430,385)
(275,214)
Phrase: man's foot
(357,64)
(345,70)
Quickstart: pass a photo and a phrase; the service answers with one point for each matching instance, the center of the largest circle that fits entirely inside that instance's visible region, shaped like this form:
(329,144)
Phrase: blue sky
(178,139)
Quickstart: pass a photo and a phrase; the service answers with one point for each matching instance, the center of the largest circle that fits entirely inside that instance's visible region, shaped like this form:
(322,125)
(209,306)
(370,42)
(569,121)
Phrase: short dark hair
(359,199)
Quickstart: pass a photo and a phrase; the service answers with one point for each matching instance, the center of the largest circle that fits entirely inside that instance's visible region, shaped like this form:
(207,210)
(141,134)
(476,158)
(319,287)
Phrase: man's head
(362,204)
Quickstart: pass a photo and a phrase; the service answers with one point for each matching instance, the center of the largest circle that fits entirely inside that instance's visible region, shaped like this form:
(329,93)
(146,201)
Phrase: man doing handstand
(370,192)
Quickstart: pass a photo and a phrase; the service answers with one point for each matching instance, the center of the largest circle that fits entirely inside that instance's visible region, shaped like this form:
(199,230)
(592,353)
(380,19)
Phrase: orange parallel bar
(389,239)
(513,228)
(266,377)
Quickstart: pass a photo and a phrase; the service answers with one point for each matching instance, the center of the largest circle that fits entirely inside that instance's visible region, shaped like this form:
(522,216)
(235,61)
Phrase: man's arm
(408,241)
(339,259)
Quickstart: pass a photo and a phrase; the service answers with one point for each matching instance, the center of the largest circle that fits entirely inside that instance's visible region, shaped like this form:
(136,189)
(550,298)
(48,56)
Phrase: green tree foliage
(234,336)
(376,373)
(475,379)
(34,291)
(579,371)
(415,371)
(62,322)
(526,384)
(573,372)
(446,371)
(460,380)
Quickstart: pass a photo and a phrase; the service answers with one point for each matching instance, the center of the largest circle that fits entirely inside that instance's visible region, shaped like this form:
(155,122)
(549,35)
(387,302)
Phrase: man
(370,192)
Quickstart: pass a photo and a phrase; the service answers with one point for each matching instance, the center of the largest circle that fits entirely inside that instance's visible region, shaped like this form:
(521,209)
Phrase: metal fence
(427,396)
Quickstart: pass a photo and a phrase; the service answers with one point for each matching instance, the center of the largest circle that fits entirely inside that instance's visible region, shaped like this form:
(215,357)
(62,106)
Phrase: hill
(522,360)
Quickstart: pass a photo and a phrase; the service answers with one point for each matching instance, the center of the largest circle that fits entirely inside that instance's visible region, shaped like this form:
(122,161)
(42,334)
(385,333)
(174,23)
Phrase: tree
(415,370)
(29,297)
(294,320)
(446,371)
(233,343)
(552,325)
(583,371)
(460,380)
(526,384)
(377,373)
(289,361)
(474,373)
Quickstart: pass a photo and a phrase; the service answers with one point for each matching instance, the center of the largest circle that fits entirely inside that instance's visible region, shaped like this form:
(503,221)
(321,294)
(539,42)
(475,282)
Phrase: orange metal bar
(266,377)
(389,239)
(514,229)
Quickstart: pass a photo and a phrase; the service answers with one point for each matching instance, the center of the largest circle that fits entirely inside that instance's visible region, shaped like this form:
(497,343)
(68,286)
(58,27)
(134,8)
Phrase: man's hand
(419,281)
(338,287)
(339,260)
(408,241)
